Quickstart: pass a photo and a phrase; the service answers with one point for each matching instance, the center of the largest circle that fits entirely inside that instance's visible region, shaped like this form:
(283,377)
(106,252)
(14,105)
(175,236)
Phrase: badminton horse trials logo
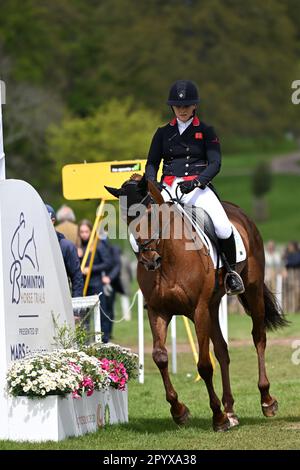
(24,253)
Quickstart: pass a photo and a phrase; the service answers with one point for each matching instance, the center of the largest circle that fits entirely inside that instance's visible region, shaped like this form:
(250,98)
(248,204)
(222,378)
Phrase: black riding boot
(233,281)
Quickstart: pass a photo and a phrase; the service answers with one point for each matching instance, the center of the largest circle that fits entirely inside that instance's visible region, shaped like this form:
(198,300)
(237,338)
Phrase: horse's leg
(222,355)
(159,326)
(254,298)
(205,368)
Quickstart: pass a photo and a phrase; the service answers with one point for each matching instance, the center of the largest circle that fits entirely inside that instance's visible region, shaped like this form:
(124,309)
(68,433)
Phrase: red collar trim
(195,121)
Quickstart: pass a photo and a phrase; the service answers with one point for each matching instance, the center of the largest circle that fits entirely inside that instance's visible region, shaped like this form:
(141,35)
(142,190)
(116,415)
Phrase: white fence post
(173,339)
(279,289)
(223,317)
(97,321)
(141,335)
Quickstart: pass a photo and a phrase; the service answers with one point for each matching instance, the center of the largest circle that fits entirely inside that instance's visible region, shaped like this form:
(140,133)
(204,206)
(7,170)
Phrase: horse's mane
(135,177)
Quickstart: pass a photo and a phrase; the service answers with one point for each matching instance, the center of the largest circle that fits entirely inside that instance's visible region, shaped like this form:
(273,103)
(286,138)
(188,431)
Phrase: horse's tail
(274,316)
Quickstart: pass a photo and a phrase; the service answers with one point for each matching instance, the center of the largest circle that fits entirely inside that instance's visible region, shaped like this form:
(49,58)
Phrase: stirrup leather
(228,291)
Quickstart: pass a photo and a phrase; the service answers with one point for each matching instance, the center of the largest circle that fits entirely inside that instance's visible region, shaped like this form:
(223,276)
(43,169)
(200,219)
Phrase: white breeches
(207,200)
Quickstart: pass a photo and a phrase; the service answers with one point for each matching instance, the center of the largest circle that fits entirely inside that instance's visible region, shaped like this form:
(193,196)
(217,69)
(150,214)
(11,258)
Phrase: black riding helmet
(183,93)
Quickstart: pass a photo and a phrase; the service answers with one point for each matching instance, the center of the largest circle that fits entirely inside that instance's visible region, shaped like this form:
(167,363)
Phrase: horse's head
(141,194)
(132,191)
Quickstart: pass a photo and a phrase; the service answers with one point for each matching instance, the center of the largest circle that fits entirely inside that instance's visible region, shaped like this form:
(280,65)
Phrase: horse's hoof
(222,427)
(234,420)
(183,418)
(270,410)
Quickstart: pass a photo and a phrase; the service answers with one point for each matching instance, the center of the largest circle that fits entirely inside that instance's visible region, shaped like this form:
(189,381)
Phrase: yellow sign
(87,180)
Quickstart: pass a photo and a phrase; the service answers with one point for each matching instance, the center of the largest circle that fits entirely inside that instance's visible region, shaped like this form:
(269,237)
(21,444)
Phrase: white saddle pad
(239,244)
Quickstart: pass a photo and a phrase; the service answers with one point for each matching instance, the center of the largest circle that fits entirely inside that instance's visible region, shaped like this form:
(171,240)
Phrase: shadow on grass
(162,425)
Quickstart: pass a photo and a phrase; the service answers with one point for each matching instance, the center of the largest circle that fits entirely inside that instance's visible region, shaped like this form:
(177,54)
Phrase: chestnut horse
(176,281)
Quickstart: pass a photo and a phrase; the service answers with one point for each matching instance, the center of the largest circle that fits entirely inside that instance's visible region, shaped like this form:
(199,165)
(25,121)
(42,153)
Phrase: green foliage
(118,130)
(83,57)
(261,179)
(67,337)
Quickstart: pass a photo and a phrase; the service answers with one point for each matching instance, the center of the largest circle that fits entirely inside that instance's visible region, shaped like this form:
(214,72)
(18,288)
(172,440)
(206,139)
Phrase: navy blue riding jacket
(196,152)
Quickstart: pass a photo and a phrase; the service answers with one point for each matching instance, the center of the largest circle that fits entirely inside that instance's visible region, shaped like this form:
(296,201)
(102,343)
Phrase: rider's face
(184,113)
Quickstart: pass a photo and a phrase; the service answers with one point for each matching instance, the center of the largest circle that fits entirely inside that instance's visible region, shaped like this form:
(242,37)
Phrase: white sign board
(33,280)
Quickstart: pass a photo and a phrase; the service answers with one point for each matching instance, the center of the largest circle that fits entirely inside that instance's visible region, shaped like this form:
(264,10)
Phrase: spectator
(66,223)
(292,255)
(70,257)
(102,264)
(273,264)
(111,280)
(272,255)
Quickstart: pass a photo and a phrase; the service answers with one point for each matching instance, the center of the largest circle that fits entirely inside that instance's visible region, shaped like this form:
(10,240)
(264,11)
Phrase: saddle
(204,227)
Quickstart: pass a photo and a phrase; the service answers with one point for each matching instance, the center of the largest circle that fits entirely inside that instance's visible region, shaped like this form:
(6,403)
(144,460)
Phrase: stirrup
(239,290)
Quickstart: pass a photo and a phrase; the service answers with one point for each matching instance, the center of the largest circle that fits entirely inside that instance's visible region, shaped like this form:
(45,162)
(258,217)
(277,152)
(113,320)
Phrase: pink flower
(105,363)
(87,382)
(88,385)
(75,367)
(75,394)
(117,372)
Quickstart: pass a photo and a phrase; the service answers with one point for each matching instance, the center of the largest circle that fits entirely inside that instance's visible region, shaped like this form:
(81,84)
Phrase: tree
(27,114)
(118,130)
(261,185)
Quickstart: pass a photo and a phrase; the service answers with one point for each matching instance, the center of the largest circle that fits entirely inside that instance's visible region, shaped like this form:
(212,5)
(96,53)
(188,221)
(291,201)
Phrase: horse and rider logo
(24,253)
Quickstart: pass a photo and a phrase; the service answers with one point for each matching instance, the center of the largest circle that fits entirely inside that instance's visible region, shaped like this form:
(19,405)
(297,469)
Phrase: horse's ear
(114,191)
(155,193)
(142,184)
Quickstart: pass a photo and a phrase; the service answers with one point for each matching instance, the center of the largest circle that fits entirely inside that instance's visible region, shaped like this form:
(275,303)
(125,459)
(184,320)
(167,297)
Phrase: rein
(144,246)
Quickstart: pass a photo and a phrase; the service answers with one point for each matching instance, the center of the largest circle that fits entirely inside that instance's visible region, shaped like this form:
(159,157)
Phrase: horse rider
(191,155)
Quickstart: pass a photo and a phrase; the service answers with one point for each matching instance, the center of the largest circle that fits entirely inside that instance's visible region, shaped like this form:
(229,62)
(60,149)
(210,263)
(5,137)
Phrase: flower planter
(55,418)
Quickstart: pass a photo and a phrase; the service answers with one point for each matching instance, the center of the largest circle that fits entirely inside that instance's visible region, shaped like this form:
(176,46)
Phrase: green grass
(257,146)
(151,427)
(243,162)
(283,223)
(239,328)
